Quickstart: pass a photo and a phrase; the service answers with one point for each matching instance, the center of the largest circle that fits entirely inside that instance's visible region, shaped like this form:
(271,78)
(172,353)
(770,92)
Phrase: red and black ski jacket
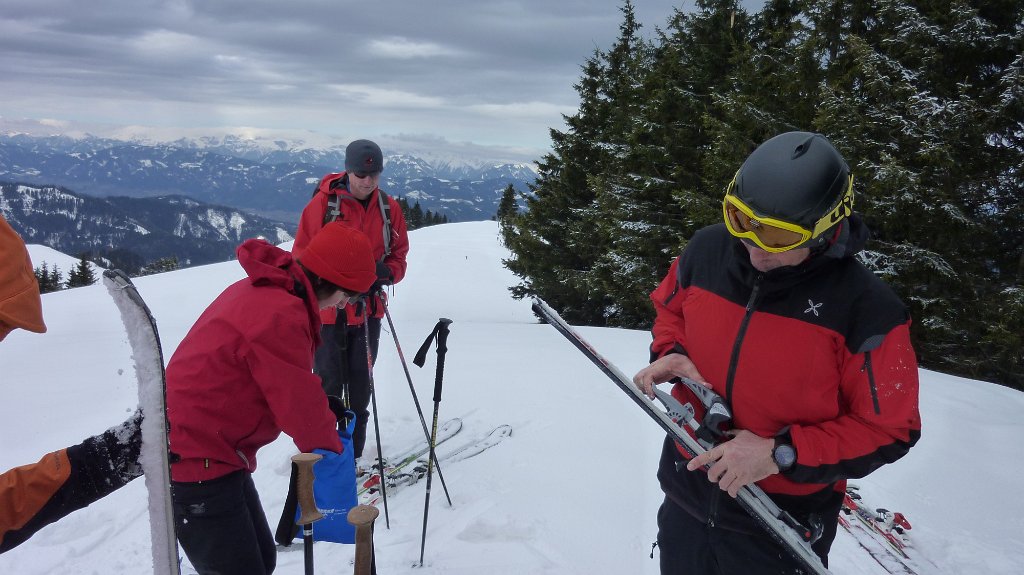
(820,352)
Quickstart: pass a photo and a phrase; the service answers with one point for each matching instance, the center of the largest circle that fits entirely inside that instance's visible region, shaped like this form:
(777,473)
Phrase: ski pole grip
(362,518)
(442,335)
(442,349)
(304,462)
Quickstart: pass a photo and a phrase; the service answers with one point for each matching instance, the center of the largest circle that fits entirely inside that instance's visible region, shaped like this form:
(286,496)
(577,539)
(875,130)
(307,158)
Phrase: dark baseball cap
(364,157)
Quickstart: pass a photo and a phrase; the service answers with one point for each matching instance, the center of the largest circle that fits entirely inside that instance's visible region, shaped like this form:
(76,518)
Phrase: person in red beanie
(242,375)
(353,198)
(35,495)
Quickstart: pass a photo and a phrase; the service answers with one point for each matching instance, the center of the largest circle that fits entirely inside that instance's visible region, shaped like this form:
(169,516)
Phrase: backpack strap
(333,211)
(385,212)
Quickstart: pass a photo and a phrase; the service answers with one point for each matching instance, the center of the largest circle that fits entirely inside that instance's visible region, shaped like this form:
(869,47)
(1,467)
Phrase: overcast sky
(494,73)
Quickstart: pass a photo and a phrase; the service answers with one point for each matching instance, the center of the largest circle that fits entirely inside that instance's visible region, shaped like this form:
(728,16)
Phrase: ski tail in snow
(144,340)
(446,431)
(781,526)
(408,456)
(369,493)
(881,533)
(496,436)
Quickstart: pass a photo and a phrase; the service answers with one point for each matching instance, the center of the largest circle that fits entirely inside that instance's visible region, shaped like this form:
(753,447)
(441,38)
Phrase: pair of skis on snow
(410,465)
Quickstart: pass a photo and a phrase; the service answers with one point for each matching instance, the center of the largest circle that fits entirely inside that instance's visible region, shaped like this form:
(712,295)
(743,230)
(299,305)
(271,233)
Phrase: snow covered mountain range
(132,232)
(259,173)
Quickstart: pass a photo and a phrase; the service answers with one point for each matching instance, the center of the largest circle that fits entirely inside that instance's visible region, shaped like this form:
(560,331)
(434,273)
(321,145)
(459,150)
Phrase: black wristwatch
(784,454)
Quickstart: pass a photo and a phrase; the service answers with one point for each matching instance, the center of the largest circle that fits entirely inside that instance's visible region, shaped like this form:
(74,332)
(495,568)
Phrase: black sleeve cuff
(677,348)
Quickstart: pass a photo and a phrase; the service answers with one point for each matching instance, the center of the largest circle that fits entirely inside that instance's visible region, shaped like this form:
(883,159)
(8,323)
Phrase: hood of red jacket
(269,265)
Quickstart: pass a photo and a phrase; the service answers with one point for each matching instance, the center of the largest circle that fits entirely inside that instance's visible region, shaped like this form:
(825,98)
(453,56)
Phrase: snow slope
(51,257)
(572,491)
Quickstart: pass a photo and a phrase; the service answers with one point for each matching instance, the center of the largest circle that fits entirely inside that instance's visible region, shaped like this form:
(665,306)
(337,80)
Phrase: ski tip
(117,276)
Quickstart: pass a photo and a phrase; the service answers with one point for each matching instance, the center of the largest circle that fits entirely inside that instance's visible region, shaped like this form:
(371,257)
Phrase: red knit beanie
(342,256)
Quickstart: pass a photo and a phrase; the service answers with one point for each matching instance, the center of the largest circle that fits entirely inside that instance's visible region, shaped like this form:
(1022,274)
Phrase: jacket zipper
(871,381)
(738,343)
(733,361)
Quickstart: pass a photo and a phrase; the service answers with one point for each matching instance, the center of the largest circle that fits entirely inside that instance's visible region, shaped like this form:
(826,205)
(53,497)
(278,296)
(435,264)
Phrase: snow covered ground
(571,491)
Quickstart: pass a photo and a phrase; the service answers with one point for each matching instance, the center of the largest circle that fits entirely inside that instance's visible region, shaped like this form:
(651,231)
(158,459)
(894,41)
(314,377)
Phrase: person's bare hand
(664,369)
(742,460)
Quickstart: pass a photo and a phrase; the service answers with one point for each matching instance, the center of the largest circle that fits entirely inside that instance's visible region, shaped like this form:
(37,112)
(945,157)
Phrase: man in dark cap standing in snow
(353,197)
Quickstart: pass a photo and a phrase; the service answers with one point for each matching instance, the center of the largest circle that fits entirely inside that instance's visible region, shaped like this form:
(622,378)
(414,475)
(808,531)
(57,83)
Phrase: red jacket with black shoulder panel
(821,350)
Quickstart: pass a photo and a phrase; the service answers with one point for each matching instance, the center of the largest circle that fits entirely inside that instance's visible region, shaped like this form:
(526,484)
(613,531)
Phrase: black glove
(384,278)
(337,406)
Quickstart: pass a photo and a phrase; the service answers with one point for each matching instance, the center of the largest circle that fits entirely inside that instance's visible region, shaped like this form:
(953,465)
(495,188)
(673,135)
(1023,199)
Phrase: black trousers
(688,546)
(341,362)
(222,527)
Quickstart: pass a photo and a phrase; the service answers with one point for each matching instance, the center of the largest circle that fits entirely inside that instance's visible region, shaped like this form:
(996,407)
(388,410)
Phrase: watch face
(785,456)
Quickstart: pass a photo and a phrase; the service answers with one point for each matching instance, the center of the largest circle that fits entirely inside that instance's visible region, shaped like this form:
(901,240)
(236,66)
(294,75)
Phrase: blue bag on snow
(334,490)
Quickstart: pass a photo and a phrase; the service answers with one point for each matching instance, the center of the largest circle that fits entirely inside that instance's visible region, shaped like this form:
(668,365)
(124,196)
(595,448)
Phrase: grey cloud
(487,72)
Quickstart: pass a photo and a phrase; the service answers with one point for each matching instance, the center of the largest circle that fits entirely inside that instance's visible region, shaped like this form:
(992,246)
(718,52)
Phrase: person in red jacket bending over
(242,375)
(773,311)
(353,198)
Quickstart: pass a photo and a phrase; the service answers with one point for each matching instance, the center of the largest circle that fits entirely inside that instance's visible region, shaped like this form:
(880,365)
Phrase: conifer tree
(82,274)
(161,265)
(49,279)
(414,218)
(557,241)
(771,87)
(909,100)
(507,206)
(660,191)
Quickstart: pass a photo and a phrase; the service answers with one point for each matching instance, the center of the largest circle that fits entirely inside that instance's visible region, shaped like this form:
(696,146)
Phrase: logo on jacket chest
(813,308)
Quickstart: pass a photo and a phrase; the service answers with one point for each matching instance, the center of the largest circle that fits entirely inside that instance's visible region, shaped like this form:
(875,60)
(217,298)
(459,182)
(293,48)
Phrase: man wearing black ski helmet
(773,311)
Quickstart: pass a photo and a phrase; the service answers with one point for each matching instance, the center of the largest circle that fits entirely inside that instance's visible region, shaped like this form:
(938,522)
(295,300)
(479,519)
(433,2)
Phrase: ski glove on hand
(384,277)
(337,406)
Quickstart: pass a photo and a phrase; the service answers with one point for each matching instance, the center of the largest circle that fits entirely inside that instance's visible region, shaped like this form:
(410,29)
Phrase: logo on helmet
(845,207)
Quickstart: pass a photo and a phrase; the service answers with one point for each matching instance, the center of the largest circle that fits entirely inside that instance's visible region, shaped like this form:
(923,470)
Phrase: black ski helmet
(796,177)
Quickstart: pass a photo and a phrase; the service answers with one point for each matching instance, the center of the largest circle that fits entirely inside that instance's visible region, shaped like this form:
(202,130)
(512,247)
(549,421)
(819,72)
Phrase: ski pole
(376,425)
(441,332)
(415,399)
(362,517)
(307,504)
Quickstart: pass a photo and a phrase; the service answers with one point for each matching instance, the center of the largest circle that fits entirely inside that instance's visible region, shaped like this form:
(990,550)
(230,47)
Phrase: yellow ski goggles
(775,235)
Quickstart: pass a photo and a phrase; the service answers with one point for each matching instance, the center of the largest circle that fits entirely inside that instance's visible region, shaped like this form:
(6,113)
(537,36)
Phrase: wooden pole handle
(307,503)
(362,517)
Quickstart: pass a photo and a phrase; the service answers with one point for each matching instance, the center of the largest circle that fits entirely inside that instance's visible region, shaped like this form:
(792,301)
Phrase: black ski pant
(688,546)
(341,363)
(222,527)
